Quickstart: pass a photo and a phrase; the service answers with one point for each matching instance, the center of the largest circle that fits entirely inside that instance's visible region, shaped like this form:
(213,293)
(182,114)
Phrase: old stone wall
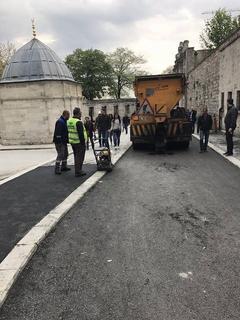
(203,85)
(229,81)
(28,110)
(214,77)
(123,106)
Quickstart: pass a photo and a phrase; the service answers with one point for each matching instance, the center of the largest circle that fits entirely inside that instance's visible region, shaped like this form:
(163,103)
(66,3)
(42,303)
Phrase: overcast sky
(152,28)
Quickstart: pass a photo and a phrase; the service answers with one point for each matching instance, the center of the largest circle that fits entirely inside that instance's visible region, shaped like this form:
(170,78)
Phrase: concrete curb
(17,259)
(233,160)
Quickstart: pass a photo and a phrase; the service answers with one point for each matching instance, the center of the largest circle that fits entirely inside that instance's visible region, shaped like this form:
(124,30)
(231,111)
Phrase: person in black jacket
(103,125)
(60,139)
(204,126)
(90,130)
(230,125)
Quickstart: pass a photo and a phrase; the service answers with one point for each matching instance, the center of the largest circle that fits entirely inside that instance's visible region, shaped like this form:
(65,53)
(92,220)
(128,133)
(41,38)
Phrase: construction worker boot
(57,168)
(64,166)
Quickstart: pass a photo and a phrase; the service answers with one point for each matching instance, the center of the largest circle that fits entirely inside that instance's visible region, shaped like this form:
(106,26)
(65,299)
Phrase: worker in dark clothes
(230,125)
(103,125)
(204,126)
(77,137)
(90,130)
(60,138)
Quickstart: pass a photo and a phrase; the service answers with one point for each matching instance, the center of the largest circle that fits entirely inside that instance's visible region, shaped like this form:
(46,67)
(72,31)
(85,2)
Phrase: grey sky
(149,27)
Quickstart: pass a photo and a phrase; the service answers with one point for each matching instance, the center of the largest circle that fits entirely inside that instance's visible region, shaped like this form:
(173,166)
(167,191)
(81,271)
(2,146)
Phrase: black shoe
(65,169)
(229,154)
(201,151)
(57,168)
(225,153)
(80,174)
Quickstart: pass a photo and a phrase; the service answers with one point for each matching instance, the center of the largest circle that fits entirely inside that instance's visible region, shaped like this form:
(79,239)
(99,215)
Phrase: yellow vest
(73,135)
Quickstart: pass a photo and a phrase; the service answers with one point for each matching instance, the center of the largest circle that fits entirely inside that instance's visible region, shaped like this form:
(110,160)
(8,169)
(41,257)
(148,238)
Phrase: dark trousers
(204,136)
(125,127)
(79,154)
(62,154)
(116,137)
(103,138)
(229,139)
(111,137)
(90,137)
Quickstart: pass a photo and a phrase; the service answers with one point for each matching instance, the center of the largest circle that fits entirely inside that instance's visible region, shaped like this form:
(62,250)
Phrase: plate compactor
(103,159)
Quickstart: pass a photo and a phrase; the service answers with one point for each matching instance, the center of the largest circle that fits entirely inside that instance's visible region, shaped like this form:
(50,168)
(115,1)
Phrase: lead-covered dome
(35,61)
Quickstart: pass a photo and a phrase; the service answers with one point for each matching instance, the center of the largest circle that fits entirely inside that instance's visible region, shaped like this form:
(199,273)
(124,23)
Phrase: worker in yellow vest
(77,137)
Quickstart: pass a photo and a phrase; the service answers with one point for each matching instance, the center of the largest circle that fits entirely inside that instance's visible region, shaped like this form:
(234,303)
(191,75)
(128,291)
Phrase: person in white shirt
(116,128)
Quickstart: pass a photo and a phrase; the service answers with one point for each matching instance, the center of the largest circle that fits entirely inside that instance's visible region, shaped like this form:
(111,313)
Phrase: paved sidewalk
(24,201)
(219,140)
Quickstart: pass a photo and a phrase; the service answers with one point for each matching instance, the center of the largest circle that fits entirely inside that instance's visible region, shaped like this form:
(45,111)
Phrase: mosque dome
(35,61)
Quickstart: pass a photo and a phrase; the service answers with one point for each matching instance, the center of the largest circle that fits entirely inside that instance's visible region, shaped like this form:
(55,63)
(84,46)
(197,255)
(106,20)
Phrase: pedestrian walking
(111,130)
(193,119)
(60,139)
(230,125)
(125,123)
(90,130)
(77,136)
(103,125)
(220,113)
(116,127)
(204,126)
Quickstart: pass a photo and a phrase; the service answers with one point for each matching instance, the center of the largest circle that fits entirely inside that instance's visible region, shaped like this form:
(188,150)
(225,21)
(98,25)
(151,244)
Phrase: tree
(125,66)
(6,51)
(168,70)
(92,70)
(218,28)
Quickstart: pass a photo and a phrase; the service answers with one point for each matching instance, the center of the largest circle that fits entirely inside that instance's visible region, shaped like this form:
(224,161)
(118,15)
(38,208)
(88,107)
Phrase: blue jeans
(204,136)
(103,138)
(116,137)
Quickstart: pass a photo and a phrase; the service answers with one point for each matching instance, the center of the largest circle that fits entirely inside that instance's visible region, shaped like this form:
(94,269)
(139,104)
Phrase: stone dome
(35,61)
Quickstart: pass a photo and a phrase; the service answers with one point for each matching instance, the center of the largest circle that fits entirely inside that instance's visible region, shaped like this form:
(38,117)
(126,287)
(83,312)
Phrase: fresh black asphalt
(25,200)
(157,239)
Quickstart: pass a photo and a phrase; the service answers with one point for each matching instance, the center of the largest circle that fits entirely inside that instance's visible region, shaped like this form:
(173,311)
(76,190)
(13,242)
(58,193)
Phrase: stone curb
(233,160)
(20,255)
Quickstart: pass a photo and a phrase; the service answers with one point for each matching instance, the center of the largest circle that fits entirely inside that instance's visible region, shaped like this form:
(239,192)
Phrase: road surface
(157,239)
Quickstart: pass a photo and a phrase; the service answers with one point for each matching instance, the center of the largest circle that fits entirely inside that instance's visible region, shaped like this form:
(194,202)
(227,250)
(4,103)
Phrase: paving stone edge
(20,255)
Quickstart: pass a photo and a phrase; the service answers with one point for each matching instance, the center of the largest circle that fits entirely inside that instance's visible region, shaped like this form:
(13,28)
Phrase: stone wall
(124,106)
(214,76)
(203,85)
(229,82)
(28,110)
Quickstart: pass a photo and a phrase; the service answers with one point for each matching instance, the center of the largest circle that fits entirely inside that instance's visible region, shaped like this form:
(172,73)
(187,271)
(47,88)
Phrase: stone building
(212,75)
(122,106)
(35,88)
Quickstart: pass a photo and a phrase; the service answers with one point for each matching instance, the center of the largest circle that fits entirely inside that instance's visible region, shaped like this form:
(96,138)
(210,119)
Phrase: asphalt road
(157,239)
(25,200)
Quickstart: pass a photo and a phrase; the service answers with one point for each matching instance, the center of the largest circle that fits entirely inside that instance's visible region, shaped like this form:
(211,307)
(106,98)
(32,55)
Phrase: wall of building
(29,110)
(214,76)
(124,106)
(229,81)
(203,85)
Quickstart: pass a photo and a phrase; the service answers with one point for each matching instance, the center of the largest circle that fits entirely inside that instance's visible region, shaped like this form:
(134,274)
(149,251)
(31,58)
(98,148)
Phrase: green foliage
(125,66)
(218,28)
(92,70)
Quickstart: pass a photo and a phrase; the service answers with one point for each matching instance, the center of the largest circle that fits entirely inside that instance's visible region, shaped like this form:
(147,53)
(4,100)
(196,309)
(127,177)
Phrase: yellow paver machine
(159,119)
